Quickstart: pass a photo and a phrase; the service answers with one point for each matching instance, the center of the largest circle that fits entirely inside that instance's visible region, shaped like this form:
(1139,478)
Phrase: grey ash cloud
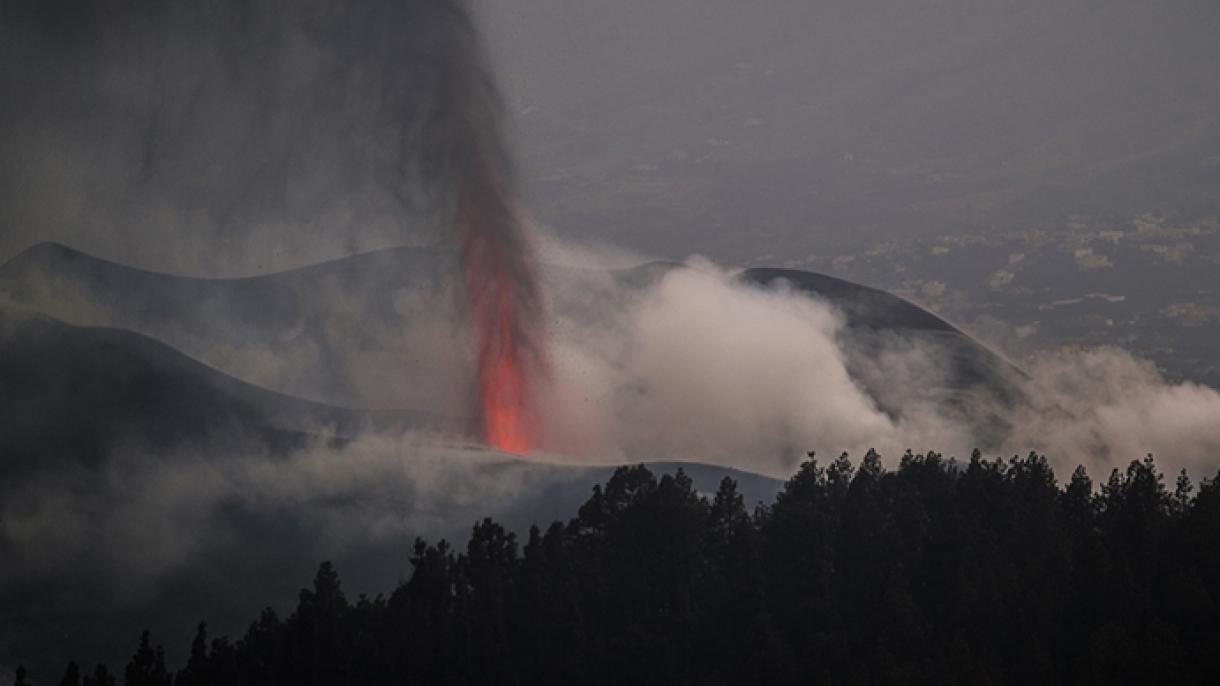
(223,137)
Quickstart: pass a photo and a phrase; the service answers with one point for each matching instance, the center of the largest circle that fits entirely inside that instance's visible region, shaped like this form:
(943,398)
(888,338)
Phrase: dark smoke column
(497,259)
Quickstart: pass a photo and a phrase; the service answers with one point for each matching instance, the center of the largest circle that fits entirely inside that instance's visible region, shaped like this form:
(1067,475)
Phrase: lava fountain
(496,255)
(508,328)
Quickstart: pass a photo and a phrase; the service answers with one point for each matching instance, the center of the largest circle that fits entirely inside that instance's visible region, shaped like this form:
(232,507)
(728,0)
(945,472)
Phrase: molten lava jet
(503,297)
(497,260)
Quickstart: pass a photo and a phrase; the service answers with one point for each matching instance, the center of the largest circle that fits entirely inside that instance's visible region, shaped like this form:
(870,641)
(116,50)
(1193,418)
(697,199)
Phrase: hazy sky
(217,143)
(738,129)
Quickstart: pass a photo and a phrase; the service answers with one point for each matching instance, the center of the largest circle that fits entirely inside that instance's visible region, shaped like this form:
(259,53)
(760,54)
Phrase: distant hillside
(74,393)
(297,332)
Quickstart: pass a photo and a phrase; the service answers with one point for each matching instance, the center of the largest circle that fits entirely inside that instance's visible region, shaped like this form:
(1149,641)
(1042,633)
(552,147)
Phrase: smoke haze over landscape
(190,163)
(265,265)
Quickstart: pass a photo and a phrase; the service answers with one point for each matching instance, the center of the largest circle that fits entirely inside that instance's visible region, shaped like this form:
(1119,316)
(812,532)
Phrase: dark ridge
(53,253)
(272,302)
(78,392)
(871,308)
(645,275)
(289,311)
(865,306)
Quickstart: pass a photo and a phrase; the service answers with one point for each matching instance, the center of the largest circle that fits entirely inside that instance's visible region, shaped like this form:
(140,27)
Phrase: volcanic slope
(303,332)
(362,331)
(73,391)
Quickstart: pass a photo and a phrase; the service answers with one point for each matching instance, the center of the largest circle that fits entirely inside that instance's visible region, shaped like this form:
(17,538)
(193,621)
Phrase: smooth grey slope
(317,322)
(267,306)
(73,393)
(298,332)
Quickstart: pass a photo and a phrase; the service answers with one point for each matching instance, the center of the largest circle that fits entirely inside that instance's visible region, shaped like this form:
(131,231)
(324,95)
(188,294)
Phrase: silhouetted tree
(198,670)
(937,572)
(100,677)
(147,666)
(71,675)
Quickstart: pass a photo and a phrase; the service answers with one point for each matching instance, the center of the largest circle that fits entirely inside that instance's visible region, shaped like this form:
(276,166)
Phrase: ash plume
(227,138)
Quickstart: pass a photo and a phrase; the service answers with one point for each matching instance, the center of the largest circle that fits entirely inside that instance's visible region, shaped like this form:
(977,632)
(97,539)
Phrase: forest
(986,571)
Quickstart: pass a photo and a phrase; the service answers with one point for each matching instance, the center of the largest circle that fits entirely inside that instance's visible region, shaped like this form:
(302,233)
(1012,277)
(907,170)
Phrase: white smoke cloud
(1105,407)
(697,366)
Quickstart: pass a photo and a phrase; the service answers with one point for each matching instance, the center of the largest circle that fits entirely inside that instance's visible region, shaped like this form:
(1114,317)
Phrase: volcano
(100,361)
(310,320)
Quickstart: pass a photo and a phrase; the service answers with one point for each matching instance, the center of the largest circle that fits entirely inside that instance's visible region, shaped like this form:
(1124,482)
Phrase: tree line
(939,571)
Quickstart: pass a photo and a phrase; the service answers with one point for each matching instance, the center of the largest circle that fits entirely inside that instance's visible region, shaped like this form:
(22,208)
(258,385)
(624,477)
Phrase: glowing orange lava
(503,304)
(507,401)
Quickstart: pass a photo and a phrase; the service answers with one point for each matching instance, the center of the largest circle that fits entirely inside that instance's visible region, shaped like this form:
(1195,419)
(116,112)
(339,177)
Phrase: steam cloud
(700,366)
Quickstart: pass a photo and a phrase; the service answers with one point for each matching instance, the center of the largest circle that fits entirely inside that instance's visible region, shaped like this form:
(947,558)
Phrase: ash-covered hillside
(376,330)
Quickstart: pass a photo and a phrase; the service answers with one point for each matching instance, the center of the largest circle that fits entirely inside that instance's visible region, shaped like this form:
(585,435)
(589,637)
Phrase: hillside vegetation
(937,572)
